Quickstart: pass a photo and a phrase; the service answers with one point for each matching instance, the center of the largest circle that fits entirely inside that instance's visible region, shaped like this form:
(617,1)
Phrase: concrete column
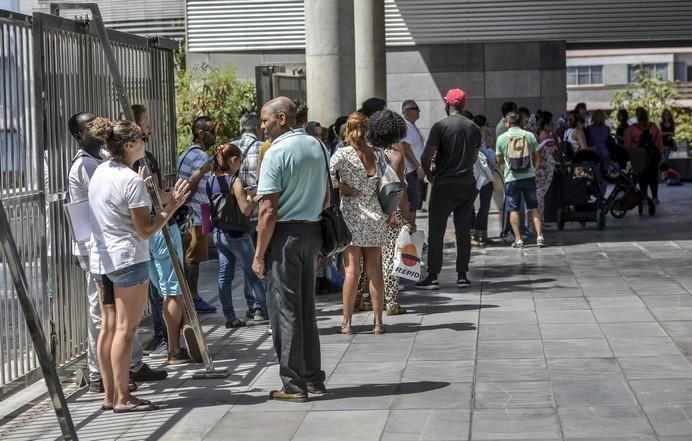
(371,59)
(329,59)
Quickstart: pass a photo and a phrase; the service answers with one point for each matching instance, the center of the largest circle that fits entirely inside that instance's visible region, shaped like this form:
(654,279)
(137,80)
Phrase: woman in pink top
(652,142)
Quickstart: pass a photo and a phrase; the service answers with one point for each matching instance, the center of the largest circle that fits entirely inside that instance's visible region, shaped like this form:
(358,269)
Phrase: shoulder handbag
(335,233)
(225,211)
(391,188)
(183,215)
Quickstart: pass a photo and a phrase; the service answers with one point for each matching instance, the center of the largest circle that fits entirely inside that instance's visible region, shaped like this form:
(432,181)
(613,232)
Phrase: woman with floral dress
(548,149)
(354,168)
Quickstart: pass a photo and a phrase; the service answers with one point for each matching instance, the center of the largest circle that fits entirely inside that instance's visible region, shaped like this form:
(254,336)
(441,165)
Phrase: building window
(658,70)
(584,75)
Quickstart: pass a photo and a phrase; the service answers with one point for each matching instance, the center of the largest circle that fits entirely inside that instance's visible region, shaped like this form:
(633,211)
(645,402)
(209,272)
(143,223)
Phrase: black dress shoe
(429,282)
(148,374)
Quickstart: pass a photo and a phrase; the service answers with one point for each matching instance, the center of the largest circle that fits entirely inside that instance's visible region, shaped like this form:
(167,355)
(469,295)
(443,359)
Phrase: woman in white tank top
(575,134)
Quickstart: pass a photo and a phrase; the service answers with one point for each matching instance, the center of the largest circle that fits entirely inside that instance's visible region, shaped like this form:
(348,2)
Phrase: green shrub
(216,92)
(655,95)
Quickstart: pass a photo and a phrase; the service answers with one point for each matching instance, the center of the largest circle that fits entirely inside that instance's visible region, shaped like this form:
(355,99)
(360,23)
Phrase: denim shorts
(127,277)
(523,188)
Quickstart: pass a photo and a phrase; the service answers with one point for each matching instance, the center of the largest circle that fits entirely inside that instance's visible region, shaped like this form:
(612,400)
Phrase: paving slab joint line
(475,357)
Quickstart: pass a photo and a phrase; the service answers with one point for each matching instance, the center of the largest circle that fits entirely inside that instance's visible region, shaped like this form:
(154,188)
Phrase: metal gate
(53,68)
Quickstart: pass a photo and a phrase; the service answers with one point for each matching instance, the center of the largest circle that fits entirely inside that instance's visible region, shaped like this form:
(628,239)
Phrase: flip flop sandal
(142,406)
(104,407)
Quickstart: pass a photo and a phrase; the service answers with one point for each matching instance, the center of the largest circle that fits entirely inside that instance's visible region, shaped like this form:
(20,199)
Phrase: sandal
(106,407)
(140,406)
(396,310)
(378,329)
(346,329)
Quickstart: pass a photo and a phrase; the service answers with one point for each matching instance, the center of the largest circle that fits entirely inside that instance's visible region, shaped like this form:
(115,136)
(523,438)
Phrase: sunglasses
(412,108)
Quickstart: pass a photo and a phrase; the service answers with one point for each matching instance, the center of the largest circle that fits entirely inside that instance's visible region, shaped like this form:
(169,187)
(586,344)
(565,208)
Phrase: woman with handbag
(355,168)
(231,206)
(387,129)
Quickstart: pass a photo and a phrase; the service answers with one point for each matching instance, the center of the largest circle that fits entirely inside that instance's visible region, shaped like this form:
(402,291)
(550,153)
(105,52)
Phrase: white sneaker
(540,241)
(518,244)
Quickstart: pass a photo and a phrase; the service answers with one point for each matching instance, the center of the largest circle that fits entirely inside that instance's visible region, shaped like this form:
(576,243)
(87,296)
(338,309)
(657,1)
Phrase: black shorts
(108,290)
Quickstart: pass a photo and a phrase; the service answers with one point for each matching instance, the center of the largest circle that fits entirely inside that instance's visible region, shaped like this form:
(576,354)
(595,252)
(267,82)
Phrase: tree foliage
(655,95)
(215,92)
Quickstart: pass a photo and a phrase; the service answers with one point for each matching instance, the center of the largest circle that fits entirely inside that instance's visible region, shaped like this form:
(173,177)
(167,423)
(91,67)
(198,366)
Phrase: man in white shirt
(413,144)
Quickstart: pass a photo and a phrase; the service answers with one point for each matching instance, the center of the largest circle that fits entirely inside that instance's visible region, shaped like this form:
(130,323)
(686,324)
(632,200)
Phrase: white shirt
(415,139)
(114,189)
(83,167)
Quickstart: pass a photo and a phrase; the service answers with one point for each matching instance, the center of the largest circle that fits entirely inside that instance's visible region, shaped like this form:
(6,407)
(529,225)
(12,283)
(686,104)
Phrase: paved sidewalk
(589,339)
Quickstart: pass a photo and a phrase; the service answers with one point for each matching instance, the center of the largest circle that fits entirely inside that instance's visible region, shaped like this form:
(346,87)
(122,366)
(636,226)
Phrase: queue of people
(249,195)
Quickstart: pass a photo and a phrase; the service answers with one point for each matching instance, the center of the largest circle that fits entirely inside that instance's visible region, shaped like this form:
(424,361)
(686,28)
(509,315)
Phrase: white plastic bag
(407,257)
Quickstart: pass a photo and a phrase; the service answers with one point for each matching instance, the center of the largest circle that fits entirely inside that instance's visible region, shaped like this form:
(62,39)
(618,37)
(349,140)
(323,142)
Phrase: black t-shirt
(457,139)
(668,139)
(155,171)
(153,165)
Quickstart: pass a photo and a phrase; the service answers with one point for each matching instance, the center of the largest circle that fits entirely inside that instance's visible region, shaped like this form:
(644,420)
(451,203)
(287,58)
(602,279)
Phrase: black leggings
(649,178)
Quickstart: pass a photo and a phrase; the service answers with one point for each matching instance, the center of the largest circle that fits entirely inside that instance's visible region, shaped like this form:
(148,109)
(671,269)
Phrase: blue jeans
(414,191)
(240,249)
(247,289)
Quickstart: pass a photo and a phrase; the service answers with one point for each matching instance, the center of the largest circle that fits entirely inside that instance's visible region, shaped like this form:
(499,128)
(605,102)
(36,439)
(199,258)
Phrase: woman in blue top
(233,241)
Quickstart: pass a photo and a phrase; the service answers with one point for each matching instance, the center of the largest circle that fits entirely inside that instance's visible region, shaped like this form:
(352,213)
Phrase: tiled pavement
(589,339)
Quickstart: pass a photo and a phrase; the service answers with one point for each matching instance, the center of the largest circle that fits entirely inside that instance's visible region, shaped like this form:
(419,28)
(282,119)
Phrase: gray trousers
(291,263)
(94,326)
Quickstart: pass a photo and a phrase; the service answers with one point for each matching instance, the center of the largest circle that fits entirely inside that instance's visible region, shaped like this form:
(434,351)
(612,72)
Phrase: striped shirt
(190,160)
(248,170)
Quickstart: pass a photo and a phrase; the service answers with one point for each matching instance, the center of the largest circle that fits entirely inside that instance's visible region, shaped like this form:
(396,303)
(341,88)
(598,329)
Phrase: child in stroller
(581,198)
(626,195)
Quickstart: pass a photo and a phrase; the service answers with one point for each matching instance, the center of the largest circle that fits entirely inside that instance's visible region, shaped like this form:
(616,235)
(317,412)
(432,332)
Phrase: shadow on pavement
(360,391)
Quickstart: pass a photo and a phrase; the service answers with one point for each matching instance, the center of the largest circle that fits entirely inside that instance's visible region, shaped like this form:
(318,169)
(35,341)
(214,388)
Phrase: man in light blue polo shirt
(293,187)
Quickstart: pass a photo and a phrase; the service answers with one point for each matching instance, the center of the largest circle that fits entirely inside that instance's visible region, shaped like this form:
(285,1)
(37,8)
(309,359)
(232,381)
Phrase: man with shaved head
(293,191)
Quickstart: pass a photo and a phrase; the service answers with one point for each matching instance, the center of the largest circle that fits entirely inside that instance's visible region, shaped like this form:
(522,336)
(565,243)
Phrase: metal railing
(52,68)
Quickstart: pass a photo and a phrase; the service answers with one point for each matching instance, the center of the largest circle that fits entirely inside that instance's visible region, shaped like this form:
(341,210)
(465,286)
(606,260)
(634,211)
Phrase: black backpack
(647,142)
(225,211)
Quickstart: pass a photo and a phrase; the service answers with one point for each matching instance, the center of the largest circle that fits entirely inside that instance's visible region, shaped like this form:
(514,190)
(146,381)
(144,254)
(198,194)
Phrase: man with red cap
(448,159)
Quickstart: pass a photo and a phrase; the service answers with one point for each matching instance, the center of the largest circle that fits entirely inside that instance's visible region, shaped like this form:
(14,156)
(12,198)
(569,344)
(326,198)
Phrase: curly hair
(356,129)
(115,134)
(386,128)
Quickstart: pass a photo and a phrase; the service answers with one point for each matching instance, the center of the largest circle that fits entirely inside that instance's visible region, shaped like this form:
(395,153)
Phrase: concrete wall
(245,62)
(531,74)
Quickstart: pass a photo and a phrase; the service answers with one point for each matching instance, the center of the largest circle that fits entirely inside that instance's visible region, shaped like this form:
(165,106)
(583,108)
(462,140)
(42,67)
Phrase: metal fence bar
(51,68)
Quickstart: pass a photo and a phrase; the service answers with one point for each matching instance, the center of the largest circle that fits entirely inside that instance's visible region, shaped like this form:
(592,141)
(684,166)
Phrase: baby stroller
(581,199)
(626,194)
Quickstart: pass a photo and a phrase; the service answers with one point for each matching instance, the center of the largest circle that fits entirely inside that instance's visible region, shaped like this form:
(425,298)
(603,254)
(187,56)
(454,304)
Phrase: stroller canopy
(587,155)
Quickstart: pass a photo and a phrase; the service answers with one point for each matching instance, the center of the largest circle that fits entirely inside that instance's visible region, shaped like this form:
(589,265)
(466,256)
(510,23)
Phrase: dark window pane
(596,76)
(571,76)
